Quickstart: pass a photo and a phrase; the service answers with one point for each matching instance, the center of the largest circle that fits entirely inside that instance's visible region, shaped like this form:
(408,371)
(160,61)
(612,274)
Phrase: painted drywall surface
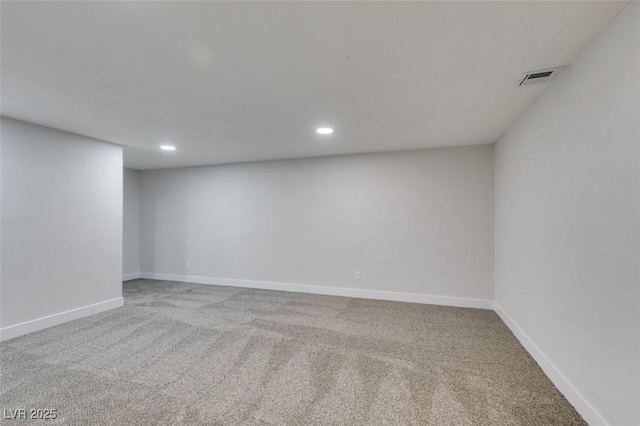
(252,80)
(416,221)
(61,222)
(568,222)
(131,223)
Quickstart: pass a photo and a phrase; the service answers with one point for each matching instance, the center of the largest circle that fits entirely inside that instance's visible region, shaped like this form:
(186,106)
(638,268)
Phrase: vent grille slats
(540,76)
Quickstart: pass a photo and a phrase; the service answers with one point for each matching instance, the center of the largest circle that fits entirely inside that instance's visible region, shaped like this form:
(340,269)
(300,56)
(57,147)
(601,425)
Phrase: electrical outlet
(358,275)
(187,264)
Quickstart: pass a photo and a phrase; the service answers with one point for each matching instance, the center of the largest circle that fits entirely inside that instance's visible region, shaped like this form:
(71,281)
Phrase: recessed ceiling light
(324,130)
(168,147)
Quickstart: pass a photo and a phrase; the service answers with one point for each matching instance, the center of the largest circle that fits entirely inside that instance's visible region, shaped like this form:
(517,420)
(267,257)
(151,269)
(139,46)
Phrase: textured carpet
(180,353)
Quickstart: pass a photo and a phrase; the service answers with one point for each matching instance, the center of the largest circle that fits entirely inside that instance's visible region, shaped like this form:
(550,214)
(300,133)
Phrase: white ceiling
(230,82)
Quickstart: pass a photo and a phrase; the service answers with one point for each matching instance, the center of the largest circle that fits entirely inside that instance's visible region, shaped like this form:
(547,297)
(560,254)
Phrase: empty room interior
(320,213)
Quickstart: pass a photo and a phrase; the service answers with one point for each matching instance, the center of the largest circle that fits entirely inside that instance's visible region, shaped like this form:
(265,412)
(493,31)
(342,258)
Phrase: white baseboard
(131,276)
(16,330)
(461,302)
(586,410)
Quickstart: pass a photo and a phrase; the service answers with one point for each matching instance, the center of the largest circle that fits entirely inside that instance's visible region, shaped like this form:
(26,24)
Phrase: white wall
(61,226)
(568,224)
(415,221)
(131,225)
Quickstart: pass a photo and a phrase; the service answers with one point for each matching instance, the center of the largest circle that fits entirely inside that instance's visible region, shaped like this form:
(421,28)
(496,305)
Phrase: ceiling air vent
(540,76)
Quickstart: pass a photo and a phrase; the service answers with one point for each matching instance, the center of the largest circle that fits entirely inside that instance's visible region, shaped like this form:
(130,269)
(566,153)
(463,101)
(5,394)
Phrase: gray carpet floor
(180,353)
